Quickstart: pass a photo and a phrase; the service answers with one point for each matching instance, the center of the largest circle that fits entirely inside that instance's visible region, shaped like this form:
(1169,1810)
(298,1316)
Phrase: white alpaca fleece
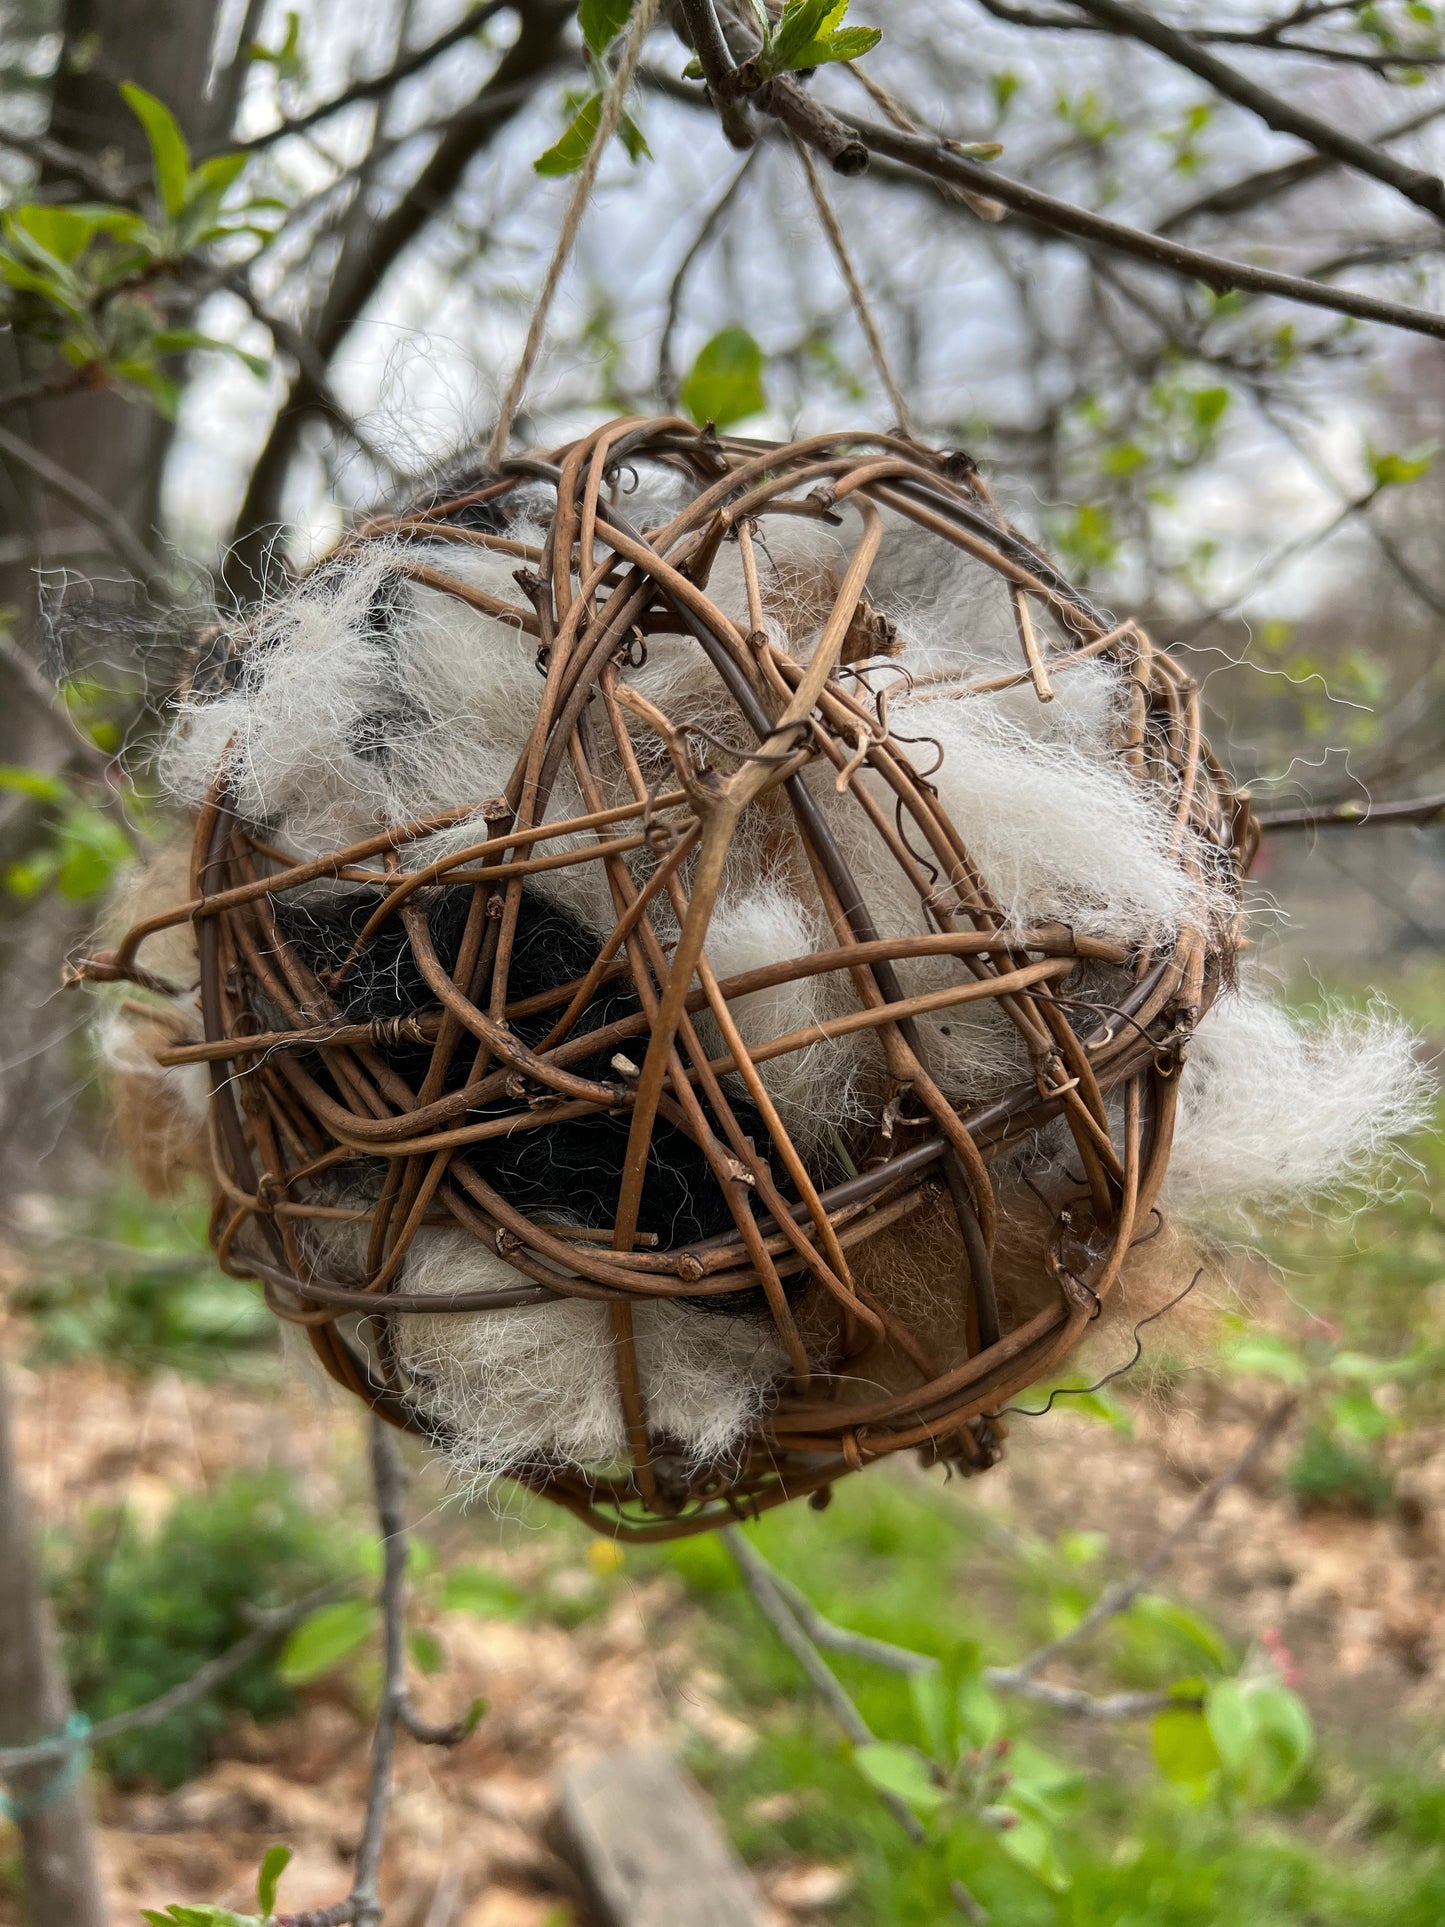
(367,701)
(537,1384)
(1274,1108)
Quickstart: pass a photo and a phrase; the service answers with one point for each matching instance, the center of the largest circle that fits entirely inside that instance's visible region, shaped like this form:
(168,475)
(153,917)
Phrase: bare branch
(88,502)
(1425,190)
(371,252)
(389,1480)
(719,69)
(1421,811)
(1118,1598)
(1266,39)
(470,23)
(666,379)
(938,161)
(1070,1700)
(1238,197)
(175,1700)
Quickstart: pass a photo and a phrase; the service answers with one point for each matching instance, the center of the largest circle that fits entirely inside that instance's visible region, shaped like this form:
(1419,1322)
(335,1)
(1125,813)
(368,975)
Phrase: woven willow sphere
(495,1084)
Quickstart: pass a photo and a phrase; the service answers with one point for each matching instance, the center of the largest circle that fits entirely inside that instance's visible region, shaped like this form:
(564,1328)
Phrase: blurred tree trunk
(62,1878)
(118,448)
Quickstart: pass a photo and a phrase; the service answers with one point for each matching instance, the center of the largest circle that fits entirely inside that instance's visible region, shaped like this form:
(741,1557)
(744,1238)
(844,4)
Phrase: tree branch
(1420,811)
(470,23)
(204,1680)
(1070,1700)
(1129,22)
(666,379)
(362,1906)
(88,502)
(370,254)
(762,1582)
(1238,197)
(937,161)
(1117,1598)
(1267,39)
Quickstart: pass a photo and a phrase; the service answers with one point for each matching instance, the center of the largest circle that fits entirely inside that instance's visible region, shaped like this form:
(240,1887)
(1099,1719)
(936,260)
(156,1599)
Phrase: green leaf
(62,231)
(1208,405)
(726,383)
(1395,469)
(801,22)
(28,876)
(1266,1356)
(953,1705)
(286,58)
(633,139)
(273,1865)
(851,44)
(34,783)
(901,1771)
(475,1714)
(91,847)
(568,154)
(1357,1415)
(1229,1712)
(602,20)
(170,156)
(1183,1745)
(1284,1740)
(179,341)
(470,1589)
(1188,1626)
(1030,1843)
(175,1916)
(1262,1733)
(426,1651)
(810,33)
(216,175)
(325,1638)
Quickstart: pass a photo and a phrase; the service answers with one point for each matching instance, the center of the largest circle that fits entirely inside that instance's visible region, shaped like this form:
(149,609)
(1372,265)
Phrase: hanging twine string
(829,222)
(643,15)
(17,1808)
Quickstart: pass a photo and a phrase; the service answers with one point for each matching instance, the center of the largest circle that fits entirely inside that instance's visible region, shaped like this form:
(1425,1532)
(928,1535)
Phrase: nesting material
(704,952)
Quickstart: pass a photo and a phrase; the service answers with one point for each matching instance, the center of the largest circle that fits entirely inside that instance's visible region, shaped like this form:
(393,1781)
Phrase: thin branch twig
(1132,23)
(362,1906)
(937,160)
(82,497)
(1117,1598)
(204,1680)
(762,1582)
(471,22)
(1072,1701)
(1421,811)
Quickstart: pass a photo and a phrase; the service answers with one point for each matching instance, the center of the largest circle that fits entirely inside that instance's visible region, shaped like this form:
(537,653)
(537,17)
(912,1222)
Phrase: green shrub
(1329,1474)
(139,1615)
(139,1286)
